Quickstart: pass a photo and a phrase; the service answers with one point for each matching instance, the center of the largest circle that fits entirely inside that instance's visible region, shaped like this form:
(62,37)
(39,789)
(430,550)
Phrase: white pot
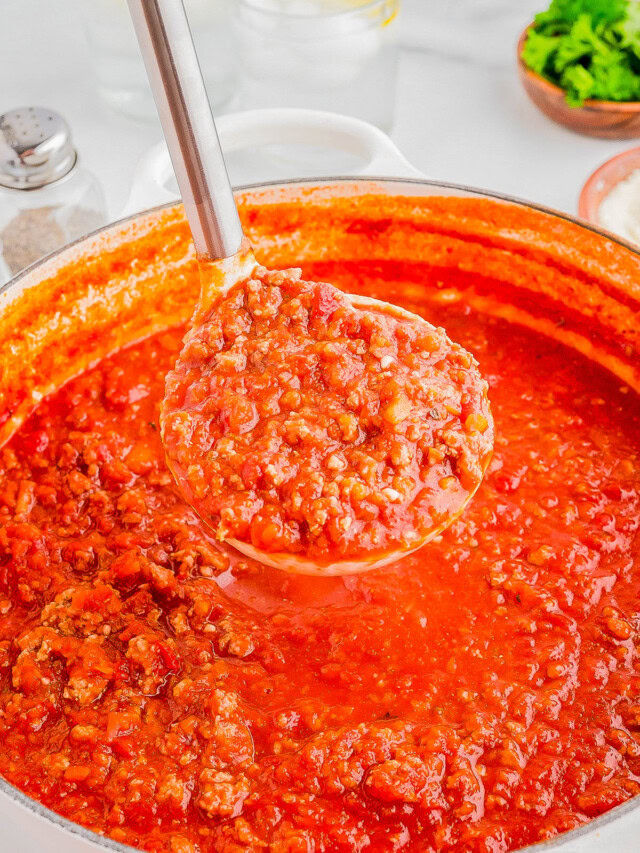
(28,827)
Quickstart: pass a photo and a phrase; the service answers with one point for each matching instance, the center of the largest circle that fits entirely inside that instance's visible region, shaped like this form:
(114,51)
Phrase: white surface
(458,118)
(461,116)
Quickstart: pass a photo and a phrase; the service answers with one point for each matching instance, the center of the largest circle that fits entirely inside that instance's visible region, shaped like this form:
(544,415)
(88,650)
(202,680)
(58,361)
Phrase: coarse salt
(620,210)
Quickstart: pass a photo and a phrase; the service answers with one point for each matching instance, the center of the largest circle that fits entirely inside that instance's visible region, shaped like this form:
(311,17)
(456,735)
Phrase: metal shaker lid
(35,148)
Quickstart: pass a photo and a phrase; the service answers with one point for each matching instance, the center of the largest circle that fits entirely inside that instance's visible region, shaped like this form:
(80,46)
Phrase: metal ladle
(178,88)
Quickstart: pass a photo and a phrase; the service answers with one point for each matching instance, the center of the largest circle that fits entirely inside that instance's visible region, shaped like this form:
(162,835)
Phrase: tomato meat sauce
(480,694)
(300,423)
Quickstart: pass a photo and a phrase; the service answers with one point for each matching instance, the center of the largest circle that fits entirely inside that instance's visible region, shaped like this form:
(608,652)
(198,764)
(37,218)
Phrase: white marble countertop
(459,118)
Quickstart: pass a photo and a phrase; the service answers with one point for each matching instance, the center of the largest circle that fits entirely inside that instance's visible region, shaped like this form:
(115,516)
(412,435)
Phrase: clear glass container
(34,223)
(118,65)
(482,30)
(337,55)
(47,198)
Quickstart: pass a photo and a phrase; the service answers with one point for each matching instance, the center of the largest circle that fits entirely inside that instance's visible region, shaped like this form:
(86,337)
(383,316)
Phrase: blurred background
(438,75)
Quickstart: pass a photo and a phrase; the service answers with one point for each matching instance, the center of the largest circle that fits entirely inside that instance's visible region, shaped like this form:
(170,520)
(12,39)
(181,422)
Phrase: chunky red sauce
(299,423)
(479,695)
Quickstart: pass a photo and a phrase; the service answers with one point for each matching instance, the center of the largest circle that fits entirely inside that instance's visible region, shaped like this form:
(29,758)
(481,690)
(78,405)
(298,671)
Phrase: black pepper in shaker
(46,198)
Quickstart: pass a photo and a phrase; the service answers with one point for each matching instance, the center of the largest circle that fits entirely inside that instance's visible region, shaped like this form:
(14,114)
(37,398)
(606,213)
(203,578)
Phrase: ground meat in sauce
(298,423)
(479,695)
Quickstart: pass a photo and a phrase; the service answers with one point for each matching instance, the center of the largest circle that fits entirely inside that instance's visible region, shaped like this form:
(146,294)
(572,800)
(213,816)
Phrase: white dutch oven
(28,827)
(374,152)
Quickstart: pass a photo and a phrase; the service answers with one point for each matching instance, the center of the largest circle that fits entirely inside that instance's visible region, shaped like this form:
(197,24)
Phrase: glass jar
(118,66)
(46,198)
(337,55)
(481,30)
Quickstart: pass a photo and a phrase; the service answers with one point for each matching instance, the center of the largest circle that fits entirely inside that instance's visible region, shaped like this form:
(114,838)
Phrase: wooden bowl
(605,119)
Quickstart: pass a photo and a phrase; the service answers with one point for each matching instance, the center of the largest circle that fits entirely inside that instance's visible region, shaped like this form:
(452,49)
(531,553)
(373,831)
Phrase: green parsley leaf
(565,12)
(628,30)
(581,43)
(614,79)
(591,48)
(539,50)
(579,85)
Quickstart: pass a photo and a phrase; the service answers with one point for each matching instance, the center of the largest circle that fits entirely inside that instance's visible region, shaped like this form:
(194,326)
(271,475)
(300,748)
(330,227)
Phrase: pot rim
(329,181)
(99,841)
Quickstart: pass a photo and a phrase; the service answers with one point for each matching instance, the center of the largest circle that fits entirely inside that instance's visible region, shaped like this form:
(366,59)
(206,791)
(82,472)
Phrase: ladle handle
(185,114)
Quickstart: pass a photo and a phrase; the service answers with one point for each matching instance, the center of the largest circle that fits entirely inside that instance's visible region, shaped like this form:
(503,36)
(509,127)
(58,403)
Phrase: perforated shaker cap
(35,148)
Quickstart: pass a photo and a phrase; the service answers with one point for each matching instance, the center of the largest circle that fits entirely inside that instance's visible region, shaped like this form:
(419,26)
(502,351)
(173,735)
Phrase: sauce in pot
(479,695)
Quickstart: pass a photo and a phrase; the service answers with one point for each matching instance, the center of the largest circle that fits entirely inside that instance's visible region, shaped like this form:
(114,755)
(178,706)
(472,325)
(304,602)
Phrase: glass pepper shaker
(46,198)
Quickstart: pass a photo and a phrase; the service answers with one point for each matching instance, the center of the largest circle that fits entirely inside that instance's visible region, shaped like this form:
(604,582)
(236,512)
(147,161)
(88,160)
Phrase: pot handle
(253,128)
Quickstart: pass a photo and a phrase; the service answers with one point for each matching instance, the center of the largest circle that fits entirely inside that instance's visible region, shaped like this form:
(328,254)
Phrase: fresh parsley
(590,48)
